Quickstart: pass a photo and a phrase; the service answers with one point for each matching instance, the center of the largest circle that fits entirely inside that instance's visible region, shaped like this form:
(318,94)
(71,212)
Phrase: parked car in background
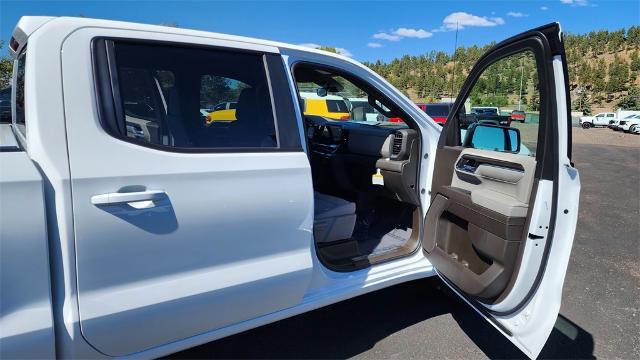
(438,111)
(600,119)
(224,112)
(203,114)
(485,110)
(518,115)
(614,123)
(117,243)
(621,114)
(490,114)
(329,106)
(227,105)
(629,123)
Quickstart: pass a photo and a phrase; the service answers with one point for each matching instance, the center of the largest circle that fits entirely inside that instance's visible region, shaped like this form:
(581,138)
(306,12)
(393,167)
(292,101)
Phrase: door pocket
(473,246)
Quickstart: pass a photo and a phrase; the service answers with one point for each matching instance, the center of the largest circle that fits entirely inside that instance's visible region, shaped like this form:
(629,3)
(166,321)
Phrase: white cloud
(461,20)
(575,2)
(374,45)
(386,36)
(344,52)
(341,51)
(516,14)
(412,33)
(544,8)
(401,33)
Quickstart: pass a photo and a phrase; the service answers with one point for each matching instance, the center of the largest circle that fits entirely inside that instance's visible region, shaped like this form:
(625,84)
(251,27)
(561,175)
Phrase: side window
(142,107)
(19,104)
(5,105)
(502,110)
(181,97)
(221,94)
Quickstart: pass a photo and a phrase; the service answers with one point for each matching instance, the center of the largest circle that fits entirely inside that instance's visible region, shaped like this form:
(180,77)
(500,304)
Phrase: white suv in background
(629,123)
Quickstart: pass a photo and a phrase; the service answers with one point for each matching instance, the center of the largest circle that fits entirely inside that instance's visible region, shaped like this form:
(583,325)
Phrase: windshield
(335,97)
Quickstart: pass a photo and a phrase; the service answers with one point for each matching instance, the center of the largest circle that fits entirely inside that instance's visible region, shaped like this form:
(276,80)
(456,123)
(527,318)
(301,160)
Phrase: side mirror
(322,92)
(492,137)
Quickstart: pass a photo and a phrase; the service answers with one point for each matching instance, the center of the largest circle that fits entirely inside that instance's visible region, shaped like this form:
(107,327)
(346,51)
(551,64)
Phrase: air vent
(397,143)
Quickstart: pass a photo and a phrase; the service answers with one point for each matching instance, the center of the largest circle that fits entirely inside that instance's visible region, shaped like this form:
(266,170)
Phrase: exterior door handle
(128,197)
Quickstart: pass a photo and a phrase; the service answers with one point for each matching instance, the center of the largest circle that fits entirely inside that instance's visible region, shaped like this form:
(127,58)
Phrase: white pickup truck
(600,119)
(609,119)
(131,229)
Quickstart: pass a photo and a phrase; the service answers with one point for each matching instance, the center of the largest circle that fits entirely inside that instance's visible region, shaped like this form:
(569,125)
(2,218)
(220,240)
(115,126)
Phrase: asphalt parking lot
(423,320)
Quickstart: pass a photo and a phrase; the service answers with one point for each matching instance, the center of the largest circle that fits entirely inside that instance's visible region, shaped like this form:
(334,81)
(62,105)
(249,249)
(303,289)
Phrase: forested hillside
(604,72)
(604,67)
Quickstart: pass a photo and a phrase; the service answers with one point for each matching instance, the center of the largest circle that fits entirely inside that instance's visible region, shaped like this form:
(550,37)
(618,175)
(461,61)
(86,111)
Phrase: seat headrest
(248,105)
(173,102)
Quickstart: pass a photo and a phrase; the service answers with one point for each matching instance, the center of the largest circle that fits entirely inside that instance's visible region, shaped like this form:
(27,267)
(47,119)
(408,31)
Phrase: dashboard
(344,155)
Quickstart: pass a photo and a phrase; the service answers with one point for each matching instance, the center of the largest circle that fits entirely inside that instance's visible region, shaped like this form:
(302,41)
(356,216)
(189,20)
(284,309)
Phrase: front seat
(358,114)
(254,121)
(334,218)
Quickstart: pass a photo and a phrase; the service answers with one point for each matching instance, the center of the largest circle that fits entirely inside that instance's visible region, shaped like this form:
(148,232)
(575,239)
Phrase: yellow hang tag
(377,179)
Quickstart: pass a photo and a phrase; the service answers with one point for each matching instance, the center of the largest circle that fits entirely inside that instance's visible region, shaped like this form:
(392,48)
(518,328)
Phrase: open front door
(504,196)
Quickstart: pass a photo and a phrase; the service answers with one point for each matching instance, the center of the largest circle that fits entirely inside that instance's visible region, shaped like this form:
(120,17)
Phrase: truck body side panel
(26,320)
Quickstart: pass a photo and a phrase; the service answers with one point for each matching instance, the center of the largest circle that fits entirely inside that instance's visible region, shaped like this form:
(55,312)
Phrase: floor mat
(390,241)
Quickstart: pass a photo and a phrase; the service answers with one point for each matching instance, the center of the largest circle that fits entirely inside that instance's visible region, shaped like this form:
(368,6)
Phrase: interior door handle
(127,197)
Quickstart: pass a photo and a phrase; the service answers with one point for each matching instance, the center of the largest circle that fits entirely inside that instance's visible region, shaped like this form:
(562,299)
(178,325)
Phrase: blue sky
(365,30)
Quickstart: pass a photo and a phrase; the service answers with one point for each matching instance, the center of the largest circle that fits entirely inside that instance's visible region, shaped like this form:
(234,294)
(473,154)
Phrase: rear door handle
(128,197)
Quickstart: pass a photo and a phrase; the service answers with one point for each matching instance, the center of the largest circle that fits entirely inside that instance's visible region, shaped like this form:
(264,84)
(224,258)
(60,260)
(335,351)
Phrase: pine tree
(534,104)
(6,70)
(618,75)
(631,101)
(583,103)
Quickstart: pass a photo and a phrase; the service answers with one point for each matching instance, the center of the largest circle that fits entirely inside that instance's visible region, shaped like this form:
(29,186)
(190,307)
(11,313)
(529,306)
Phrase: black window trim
(20,135)
(111,114)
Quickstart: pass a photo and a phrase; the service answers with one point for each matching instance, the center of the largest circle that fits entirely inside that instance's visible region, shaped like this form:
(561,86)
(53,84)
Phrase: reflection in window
(194,98)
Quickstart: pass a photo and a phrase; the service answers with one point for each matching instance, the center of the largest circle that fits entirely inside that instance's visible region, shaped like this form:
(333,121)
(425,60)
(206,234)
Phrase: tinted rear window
(5,105)
(337,106)
(162,89)
(438,110)
(19,104)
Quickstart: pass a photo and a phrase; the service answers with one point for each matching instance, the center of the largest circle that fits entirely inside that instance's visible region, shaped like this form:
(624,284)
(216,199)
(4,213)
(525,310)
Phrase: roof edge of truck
(27,25)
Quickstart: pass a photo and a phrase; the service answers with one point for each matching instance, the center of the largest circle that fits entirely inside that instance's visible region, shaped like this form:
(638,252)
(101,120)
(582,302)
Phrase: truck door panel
(225,242)
(494,230)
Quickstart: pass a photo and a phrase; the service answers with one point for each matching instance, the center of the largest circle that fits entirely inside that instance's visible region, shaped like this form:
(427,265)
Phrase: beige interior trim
(496,184)
(498,173)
